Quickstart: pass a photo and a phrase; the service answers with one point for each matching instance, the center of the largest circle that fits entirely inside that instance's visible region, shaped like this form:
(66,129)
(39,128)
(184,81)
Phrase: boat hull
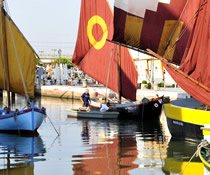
(187,123)
(150,110)
(26,121)
(92,114)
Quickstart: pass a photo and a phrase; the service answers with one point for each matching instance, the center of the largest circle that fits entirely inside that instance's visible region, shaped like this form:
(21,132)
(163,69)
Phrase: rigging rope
(108,73)
(183,30)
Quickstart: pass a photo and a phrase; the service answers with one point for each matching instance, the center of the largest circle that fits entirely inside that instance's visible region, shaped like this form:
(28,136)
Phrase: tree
(67,61)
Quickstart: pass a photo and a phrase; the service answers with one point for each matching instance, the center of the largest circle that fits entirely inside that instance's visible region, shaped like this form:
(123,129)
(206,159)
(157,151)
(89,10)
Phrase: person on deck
(105,107)
(85,98)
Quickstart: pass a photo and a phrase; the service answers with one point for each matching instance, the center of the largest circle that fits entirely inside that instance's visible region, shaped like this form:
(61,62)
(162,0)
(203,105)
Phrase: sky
(48,25)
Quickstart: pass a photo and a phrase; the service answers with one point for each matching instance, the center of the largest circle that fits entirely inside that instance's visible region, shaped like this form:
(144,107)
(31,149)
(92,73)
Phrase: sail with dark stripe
(155,24)
(174,31)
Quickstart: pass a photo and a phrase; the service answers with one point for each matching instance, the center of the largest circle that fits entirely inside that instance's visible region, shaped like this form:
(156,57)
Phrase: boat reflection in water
(178,155)
(18,154)
(119,147)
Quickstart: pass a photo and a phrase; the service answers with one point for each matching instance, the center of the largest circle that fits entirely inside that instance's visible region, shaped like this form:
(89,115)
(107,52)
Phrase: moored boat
(92,114)
(17,75)
(177,33)
(141,110)
(186,119)
(25,121)
(109,63)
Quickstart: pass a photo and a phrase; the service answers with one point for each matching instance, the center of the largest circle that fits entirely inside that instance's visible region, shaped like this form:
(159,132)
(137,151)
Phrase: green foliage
(161,84)
(67,61)
(148,86)
(144,82)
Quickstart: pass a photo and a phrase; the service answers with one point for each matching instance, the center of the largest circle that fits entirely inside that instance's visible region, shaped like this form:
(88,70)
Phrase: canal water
(95,147)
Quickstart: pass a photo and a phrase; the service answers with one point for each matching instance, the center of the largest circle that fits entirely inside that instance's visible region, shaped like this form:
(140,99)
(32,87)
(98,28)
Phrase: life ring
(156,105)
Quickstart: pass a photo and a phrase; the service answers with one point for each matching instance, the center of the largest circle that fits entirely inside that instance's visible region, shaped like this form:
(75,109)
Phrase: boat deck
(187,102)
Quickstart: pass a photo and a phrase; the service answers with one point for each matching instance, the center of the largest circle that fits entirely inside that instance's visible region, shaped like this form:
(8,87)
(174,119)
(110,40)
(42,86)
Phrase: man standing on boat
(85,98)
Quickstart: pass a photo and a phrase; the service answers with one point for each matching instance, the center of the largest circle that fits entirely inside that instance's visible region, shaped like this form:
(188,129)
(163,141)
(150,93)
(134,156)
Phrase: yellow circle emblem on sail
(100,21)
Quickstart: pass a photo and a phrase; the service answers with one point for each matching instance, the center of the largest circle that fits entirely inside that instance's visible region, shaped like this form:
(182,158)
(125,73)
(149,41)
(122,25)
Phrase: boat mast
(119,72)
(4,51)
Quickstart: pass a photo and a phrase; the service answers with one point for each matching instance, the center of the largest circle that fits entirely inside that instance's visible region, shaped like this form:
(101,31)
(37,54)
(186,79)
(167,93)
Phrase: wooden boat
(17,75)
(187,120)
(181,42)
(92,114)
(141,110)
(109,63)
(25,121)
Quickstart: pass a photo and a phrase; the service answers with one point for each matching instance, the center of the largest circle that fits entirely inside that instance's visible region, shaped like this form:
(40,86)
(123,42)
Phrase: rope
(184,29)
(201,145)
(53,125)
(108,73)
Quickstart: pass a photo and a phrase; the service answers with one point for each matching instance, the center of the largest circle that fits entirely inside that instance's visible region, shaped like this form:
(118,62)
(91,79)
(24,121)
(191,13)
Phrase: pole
(119,72)
(4,51)
(178,70)
(108,74)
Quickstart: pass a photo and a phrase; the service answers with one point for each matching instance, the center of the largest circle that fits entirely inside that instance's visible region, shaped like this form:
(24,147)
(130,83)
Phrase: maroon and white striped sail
(176,31)
(154,24)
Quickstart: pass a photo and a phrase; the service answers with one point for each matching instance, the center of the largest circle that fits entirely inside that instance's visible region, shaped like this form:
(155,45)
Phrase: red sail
(196,60)
(99,58)
(155,25)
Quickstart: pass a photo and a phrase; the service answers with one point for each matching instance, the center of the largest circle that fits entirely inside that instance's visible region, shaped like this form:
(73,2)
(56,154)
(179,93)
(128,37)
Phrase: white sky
(48,24)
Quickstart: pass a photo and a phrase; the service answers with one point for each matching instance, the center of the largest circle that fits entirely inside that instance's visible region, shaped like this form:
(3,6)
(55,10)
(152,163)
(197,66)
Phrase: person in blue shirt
(85,98)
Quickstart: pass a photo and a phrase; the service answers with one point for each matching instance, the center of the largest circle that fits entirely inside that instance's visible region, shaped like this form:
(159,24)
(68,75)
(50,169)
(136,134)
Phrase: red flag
(99,58)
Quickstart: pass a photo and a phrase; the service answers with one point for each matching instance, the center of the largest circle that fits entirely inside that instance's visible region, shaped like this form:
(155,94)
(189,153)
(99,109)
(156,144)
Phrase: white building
(151,69)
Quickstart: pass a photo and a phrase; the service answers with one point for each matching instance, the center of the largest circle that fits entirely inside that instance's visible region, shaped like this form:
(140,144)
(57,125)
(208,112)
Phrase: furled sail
(19,53)
(97,57)
(155,24)
(176,31)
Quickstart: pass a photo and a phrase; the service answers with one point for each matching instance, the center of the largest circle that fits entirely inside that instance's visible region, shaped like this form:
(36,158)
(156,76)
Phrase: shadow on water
(18,154)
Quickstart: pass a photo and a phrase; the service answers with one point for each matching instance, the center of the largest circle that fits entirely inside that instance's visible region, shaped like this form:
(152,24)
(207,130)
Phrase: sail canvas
(154,24)
(99,58)
(19,53)
(178,32)
(195,78)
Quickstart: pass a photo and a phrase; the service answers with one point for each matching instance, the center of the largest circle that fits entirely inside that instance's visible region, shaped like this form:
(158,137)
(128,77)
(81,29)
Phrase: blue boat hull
(28,120)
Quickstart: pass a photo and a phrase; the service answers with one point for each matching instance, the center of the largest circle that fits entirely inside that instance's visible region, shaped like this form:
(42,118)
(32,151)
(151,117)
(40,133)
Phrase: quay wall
(74,92)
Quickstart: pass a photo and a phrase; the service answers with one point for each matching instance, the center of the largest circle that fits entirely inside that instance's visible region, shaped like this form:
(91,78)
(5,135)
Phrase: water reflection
(95,147)
(177,161)
(18,154)
(119,147)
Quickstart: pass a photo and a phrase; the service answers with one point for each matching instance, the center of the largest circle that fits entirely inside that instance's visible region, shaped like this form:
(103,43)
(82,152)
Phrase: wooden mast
(4,51)
(119,72)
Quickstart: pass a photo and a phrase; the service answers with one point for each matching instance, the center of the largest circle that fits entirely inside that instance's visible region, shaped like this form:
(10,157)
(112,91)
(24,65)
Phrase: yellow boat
(186,119)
